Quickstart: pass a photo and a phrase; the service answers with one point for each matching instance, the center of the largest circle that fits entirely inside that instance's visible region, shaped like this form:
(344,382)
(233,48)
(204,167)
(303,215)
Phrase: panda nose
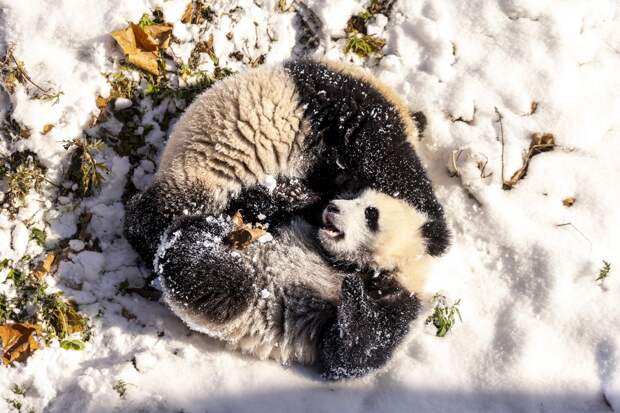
(332,208)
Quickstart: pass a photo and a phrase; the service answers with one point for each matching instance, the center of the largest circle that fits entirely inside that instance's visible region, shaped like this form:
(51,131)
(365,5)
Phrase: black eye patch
(372,218)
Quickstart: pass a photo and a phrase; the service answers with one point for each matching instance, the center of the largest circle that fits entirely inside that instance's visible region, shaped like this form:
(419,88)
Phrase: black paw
(294,194)
(200,273)
(365,332)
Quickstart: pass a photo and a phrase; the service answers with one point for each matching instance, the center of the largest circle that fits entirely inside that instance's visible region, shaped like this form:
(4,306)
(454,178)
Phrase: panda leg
(148,214)
(199,274)
(366,330)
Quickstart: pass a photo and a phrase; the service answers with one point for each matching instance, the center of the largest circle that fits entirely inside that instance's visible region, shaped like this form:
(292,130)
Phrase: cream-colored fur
(242,129)
(397,245)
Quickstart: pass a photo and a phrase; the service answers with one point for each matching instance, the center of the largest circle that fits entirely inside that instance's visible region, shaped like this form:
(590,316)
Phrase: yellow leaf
(187,14)
(47,128)
(243,234)
(101,102)
(126,40)
(144,42)
(18,341)
(569,202)
(159,34)
(145,60)
(44,266)
(141,46)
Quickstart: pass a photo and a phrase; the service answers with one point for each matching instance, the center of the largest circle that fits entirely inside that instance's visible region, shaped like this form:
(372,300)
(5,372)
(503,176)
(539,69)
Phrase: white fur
(398,245)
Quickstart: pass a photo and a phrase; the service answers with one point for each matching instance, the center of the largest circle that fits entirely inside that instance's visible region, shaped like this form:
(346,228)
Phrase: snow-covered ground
(538,332)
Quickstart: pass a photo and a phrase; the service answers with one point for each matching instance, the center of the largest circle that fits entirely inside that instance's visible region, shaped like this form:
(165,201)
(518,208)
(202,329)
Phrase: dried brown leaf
(541,142)
(18,341)
(47,128)
(158,34)
(569,202)
(141,45)
(145,60)
(45,266)
(533,107)
(187,14)
(126,39)
(101,102)
(243,234)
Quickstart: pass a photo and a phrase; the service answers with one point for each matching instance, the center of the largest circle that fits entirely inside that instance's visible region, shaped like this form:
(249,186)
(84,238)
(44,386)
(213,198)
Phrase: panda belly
(237,133)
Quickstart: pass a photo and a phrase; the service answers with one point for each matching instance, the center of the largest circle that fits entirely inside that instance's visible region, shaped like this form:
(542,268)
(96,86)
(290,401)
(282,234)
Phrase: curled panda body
(316,122)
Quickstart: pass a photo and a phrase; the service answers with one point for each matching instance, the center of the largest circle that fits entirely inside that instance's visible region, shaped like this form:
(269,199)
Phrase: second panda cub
(289,299)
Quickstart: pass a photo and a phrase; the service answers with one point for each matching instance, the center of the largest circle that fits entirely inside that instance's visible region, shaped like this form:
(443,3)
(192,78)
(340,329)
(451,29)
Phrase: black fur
(290,197)
(372,218)
(149,214)
(419,118)
(372,319)
(214,285)
(358,132)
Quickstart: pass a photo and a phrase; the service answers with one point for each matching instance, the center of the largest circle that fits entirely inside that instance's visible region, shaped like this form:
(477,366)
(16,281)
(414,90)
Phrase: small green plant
(60,316)
(23,173)
(444,316)
(74,344)
(38,235)
(120,386)
(363,44)
(13,71)
(146,20)
(603,273)
(84,170)
(120,84)
(18,390)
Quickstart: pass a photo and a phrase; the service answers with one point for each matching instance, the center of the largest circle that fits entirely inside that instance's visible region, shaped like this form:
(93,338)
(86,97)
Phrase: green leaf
(4,263)
(38,235)
(75,344)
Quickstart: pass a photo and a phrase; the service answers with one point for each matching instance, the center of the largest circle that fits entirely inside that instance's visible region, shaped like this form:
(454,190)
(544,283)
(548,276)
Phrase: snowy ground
(538,332)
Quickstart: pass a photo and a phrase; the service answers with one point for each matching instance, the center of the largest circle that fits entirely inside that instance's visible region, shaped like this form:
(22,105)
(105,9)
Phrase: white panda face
(373,229)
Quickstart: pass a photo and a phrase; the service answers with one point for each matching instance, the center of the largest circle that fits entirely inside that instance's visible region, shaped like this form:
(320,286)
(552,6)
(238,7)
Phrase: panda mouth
(330,229)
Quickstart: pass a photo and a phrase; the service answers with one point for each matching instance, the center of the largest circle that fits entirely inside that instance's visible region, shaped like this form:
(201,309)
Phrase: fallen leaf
(18,341)
(141,45)
(101,102)
(243,234)
(47,128)
(158,35)
(569,202)
(45,266)
(74,344)
(187,14)
(541,142)
(533,107)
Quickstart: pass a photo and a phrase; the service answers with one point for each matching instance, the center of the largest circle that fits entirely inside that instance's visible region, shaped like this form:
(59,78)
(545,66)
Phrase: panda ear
(437,237)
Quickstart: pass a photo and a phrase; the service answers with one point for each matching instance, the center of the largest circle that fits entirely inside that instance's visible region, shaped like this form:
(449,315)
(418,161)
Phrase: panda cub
(286,300)
(311,294)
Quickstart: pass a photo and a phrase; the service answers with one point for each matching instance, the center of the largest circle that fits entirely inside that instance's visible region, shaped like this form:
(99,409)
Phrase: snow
(538,333)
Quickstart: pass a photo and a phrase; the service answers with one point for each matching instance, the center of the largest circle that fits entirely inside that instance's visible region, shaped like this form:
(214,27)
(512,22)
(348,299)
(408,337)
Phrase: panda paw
(365,333)
(294,194)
